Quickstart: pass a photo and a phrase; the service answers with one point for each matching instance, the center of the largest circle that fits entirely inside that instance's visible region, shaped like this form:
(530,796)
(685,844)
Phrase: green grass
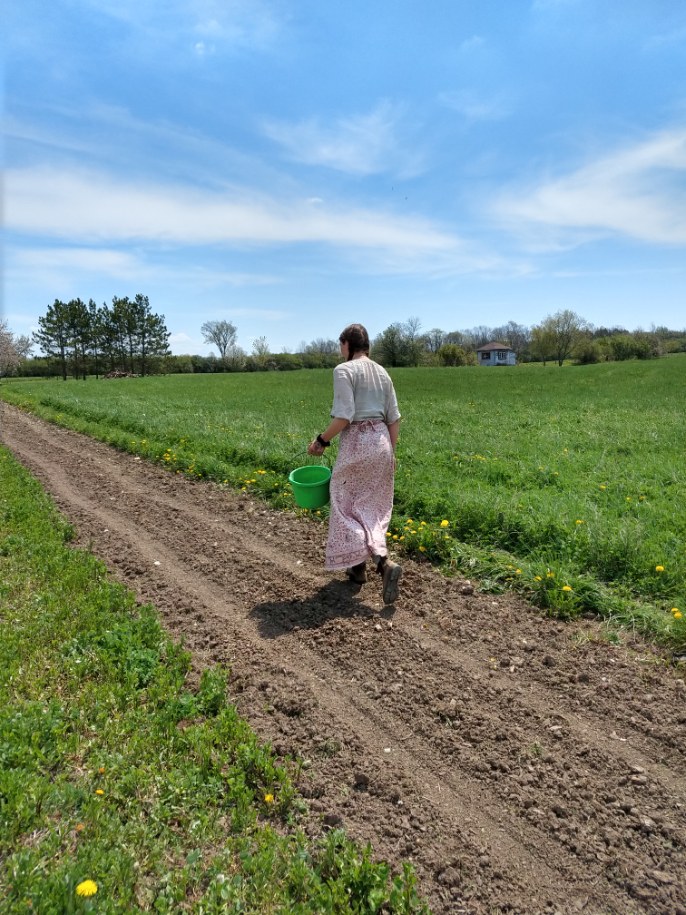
(566,484)
(113,771)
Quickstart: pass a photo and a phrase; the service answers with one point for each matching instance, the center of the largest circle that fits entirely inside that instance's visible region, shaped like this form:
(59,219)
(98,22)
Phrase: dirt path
(523,765)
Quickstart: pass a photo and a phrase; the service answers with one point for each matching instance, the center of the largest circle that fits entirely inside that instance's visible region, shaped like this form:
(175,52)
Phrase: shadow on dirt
(337,599)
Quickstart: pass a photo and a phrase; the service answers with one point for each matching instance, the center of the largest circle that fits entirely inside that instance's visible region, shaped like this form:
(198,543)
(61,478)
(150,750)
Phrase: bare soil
(524,765)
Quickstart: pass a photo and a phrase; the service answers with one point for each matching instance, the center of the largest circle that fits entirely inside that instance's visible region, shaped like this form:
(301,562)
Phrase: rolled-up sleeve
(343,395)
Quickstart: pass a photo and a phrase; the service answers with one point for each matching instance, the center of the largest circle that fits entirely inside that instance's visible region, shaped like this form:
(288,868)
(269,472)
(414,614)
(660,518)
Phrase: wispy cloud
(365,144)
(83,260)
(475,106)
(637,192)
(212,25)
(87,207)
(544,5)
(145,147)
(662,40)
(473,43)
(55,265)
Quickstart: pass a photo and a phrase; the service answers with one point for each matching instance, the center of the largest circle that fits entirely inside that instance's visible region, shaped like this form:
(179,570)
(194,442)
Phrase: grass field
(121,791)
(566,484)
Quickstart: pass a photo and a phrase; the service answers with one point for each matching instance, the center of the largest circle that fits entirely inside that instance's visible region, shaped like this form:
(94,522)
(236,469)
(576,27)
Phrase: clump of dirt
(523,765)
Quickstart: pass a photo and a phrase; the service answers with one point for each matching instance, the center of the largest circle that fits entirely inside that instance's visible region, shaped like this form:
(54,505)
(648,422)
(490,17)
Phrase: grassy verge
(564,484)
(121,791)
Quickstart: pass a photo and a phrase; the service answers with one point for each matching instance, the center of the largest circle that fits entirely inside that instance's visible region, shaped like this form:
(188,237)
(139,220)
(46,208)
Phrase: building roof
(489,347)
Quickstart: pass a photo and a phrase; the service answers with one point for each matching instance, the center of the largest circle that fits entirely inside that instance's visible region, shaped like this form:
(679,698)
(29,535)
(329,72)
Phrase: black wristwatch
(323,442)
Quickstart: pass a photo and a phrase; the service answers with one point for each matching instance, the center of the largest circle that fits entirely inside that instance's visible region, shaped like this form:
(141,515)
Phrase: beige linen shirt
(362,389)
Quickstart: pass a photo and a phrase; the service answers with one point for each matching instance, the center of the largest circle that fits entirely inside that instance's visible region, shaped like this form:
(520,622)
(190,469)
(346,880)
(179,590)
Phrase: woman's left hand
(315,448)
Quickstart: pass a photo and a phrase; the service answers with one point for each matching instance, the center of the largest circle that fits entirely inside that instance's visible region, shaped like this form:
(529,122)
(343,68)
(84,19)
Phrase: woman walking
(365,414)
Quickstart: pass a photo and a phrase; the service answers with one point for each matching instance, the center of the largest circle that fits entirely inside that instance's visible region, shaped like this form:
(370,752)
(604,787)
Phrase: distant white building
(496,354)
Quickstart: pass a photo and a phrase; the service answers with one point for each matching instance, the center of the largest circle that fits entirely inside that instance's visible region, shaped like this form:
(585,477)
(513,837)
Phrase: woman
(365,414)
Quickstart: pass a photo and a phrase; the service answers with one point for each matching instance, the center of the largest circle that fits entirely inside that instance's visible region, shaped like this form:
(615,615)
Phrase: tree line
(127,337)
(560,337)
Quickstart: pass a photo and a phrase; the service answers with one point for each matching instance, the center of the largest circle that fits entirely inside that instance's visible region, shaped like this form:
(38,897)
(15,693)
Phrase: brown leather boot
(391,573)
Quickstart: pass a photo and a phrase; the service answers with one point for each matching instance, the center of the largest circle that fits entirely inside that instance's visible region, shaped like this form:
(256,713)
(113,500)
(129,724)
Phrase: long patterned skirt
(361,495)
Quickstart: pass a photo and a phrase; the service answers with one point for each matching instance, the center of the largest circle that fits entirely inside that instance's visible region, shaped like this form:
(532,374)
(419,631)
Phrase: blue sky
(295,165)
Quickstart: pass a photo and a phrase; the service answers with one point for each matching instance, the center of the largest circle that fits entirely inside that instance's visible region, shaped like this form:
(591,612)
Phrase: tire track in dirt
(507,791)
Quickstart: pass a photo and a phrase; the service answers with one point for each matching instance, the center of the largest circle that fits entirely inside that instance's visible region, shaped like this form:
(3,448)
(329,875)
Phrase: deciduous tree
(12,350)
(558,334)
(221,334)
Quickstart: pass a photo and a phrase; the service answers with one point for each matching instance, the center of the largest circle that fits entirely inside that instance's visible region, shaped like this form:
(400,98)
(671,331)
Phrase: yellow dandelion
(518,571)
(422,549)
(401,538)
(409,521)
(101,770)
(80,827)
(674,610)
(262,472)
(269,798)
(550,575)
(422,523)
(677,615)
(445,523)
(395,536)
(387,532)
(567,588)
(579,521)
(99,792)
(87,888)
(537,578)
(659,568)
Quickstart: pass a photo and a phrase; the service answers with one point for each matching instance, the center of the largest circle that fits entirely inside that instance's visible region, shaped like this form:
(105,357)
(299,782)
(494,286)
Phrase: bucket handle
(325,457)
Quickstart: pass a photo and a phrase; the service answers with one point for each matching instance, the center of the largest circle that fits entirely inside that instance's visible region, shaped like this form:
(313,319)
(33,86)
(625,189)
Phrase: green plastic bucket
(310,485)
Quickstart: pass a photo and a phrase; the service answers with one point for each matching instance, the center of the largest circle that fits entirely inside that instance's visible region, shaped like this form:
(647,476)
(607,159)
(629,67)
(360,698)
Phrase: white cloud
(638,192)
(363,145)
(90,208)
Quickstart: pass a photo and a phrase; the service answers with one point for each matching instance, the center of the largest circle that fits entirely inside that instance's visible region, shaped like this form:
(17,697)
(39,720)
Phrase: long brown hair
(357,338)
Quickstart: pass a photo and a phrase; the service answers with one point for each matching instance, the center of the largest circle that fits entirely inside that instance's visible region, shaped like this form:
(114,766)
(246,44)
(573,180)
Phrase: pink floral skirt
(361,495)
